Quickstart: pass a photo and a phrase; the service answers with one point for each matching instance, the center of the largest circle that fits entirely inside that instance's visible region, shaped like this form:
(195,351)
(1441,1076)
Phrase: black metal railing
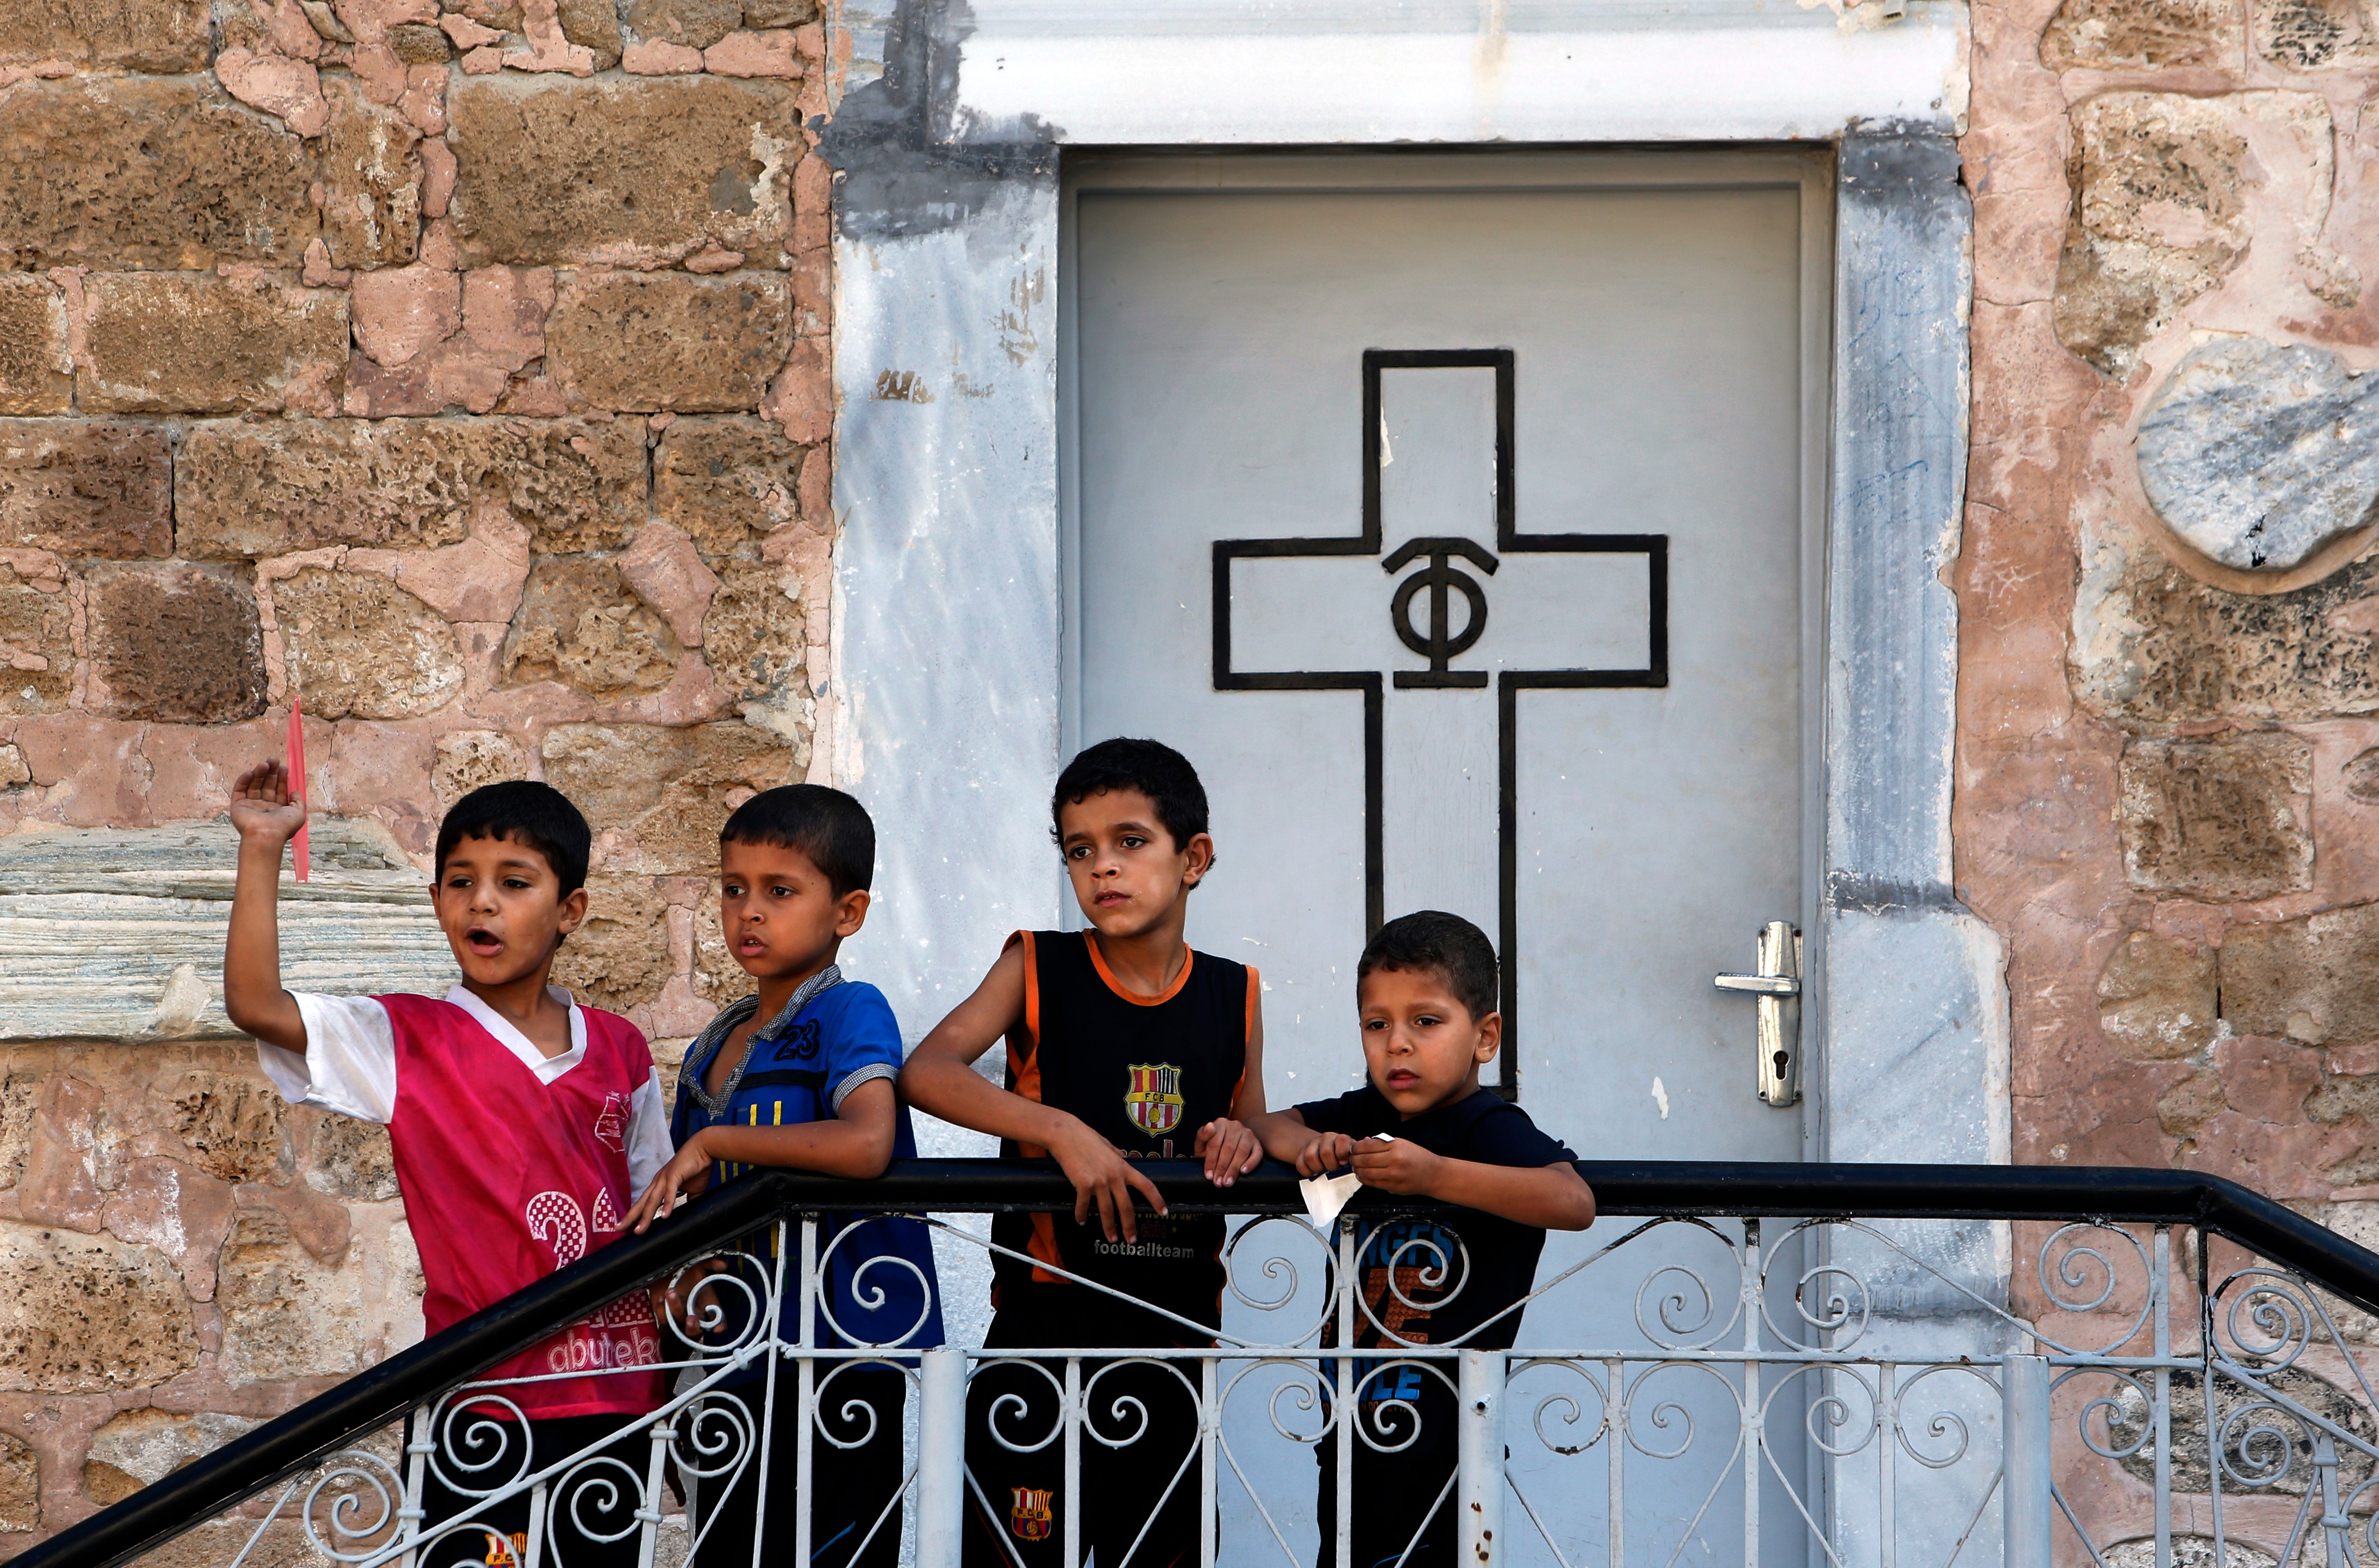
(369,1401)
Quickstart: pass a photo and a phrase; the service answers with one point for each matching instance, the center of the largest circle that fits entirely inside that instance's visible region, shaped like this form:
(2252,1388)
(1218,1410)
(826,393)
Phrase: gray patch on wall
(913,161)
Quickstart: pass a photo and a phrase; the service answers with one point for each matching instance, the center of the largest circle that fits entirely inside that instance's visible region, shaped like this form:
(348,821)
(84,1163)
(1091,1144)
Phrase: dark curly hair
(525,812)
(1151,767)
(1431,941)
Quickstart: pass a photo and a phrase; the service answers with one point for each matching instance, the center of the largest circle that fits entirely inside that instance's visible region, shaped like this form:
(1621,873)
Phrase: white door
(1455,516)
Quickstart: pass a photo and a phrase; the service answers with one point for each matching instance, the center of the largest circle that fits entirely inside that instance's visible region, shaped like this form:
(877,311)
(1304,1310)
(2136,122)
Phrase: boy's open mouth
(482,941)
(1402,1079)
(750,945)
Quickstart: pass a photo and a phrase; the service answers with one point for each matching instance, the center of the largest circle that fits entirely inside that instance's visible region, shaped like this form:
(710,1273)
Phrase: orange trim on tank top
(1043,1243)
(1044,1246)
(1100,964)
(1255,983)
(1027,1071)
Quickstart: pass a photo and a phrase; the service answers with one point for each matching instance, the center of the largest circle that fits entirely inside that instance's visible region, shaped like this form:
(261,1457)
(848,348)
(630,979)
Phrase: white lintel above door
(1123,73)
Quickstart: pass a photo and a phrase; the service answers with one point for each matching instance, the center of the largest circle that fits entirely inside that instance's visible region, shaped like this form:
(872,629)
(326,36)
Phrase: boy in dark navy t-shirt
(800,1075)
(1422,1126)
(1123,1044)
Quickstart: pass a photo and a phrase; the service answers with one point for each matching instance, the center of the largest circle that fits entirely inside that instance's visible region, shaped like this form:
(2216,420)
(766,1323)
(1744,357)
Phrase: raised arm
(266,816)
(940,1079)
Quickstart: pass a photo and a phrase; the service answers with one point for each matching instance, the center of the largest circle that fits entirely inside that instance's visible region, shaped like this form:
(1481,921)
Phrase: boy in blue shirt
(800,1075)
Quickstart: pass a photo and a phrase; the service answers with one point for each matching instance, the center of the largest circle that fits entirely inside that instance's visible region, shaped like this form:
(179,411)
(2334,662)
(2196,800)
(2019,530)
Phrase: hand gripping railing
(2266,1383)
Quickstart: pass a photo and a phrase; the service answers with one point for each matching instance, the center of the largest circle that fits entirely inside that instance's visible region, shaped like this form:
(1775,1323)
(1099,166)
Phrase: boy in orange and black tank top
(1122,1044)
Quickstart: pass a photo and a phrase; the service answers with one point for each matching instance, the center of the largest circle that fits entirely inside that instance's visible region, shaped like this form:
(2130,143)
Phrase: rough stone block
(620,958)
(2306,35)
(90,1314)
(667,787)
(85,489)
(2152,644)
(668,342)
(36,376)
(726,483)
(2259,453)
(147,174)
(695,24)
(176,643)
(2156,997)
(246,490)
(21,1096)
(469,758)
(631,173)
(36,646)
(418,43)
(362,647)
(2314,979)
(285,1314)
(755,635)
(105,35)
(2118,35)
(2229,818)
(2159,217)
(372,179)
(20,1485)
(578,624)
(160,344)
(351,1159)
(592,24)
(236,1126)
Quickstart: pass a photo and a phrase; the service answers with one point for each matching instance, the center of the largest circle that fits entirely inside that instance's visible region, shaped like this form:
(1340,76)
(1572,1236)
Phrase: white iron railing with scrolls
(1770,1365)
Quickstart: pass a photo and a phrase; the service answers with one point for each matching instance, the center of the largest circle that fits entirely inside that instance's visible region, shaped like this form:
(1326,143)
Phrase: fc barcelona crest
(1155,1102)
(1029,1514)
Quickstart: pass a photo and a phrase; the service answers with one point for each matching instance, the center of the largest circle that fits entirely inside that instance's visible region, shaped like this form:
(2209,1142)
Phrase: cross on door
(1440,613)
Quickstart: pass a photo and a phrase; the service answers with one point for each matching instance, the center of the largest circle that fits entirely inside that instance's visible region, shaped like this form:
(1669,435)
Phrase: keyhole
(1781,1057)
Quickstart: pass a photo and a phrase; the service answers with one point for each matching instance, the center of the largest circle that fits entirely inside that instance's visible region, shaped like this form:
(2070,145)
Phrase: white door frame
(945,713)
(1805,171)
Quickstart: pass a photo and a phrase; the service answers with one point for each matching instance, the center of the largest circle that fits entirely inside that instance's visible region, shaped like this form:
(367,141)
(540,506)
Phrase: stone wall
(2169,763)
(456,369)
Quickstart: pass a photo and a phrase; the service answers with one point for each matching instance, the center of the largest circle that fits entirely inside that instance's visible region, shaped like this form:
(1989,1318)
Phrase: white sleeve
(350,1061)
(648,1135)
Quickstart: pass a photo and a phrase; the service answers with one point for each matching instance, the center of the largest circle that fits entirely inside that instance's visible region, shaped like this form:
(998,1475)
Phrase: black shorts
(1138,1499)
(1402,1488)
(854,1491)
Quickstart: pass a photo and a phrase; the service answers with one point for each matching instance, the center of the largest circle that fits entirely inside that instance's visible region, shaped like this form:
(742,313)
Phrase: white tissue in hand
(1325,1195)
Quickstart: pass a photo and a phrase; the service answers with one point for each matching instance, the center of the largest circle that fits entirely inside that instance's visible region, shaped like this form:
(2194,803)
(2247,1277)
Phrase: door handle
(1778,988)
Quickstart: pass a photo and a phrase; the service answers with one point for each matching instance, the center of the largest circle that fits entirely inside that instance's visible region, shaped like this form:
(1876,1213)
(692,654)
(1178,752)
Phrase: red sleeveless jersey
(507,1178)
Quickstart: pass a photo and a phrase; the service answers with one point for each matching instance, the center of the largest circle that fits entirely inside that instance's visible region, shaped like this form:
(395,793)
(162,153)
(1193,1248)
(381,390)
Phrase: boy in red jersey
(523,1126)
(1122,1044)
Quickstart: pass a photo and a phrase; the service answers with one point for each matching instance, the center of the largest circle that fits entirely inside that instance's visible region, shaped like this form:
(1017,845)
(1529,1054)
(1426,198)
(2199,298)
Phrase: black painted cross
(1441,613)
